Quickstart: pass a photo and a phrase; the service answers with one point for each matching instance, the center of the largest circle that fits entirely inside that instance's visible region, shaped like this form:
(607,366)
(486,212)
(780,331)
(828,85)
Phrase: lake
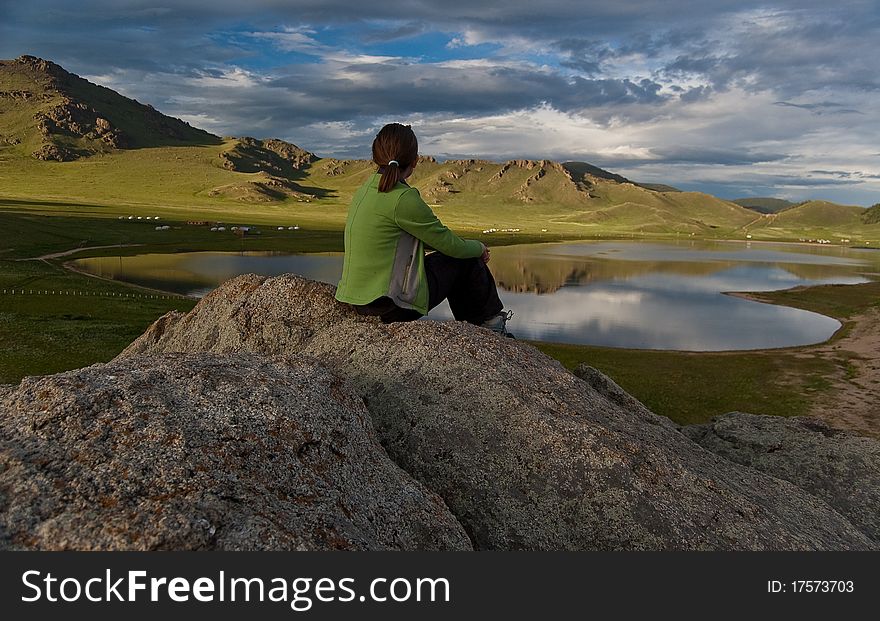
(650,295)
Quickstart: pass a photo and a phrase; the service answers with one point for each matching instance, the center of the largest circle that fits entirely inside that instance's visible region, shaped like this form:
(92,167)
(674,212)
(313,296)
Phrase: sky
(736,98)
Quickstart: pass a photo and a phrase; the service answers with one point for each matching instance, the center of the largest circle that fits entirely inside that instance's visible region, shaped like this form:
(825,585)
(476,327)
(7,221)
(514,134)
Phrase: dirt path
(58,255)
(745,227)
(853,403)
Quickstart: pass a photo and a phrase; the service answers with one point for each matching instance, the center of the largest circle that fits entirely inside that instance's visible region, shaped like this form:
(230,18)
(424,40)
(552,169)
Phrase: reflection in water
(619,294)
(665,312)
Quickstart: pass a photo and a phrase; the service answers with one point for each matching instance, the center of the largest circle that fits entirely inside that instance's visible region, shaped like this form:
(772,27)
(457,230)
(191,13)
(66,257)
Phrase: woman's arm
(414,216)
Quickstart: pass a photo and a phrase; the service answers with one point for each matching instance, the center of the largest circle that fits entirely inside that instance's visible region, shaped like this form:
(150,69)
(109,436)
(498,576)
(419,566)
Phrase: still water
(652,295)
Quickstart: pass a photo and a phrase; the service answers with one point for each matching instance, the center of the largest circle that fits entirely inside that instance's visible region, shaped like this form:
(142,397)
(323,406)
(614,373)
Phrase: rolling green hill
(73,147)
(815,220)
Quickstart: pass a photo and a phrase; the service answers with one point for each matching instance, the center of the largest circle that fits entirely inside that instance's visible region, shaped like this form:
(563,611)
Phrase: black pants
(466,283)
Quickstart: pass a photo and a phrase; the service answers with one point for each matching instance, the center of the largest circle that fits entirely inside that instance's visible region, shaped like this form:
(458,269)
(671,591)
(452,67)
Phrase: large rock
(608,388)
(525,454)
(201,451)
(841,468)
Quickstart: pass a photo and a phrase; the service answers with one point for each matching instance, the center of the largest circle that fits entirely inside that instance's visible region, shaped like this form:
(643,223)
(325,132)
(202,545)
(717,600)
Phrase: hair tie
(394,163)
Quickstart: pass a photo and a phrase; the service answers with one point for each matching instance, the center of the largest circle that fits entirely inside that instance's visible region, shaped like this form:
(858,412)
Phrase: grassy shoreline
(52,333)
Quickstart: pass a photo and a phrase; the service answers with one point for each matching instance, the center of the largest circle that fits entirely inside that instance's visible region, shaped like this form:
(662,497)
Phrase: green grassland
(842,302)
(816,219)
(58,319)
(57,331)
(694,387)
(185,183)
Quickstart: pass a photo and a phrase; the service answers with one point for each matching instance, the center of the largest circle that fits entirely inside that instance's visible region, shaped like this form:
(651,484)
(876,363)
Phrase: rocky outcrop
(39,65)
(608,388)
(77,120)
(525,454)
(298,157)
(52,152)
(202,451)
(841,468)
(273,157)
(23,95)
(542,167)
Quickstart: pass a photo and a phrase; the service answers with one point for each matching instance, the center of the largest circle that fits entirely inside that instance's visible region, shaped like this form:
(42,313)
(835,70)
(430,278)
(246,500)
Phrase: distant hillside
(153,162)
(822,214)
(764,205)
(571,195)
(52,114)
(816,219)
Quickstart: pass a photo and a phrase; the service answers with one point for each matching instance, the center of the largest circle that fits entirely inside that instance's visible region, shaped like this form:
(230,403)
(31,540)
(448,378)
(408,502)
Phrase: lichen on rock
(205,451)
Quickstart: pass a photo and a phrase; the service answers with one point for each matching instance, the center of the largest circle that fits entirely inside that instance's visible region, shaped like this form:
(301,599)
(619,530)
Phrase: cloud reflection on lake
(650,295)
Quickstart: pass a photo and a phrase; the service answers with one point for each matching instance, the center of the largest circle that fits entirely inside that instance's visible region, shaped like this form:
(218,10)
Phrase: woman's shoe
(498,323)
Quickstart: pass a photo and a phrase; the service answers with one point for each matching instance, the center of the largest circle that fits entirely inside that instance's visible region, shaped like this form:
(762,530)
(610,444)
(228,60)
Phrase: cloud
(707,95)
(713,155)
(384,31)
(821,107)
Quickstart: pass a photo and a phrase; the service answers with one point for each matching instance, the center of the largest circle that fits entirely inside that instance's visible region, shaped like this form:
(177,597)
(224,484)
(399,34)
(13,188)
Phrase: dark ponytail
(395,149)
(390,176)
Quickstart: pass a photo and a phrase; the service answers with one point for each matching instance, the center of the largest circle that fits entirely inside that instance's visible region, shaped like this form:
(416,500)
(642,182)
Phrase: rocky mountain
(52,114)
(572,197)
(169,446)
(56,115)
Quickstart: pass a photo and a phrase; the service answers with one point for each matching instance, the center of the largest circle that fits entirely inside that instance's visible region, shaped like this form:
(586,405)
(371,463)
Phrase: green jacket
(385,235)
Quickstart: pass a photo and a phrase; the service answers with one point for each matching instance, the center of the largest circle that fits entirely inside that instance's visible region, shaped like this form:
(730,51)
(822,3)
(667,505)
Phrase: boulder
(608,388)
(203,451)
(525,454)
(841,468)
(53,152)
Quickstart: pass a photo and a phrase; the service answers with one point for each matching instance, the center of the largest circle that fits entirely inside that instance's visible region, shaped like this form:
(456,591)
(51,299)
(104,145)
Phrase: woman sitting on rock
(385,271)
